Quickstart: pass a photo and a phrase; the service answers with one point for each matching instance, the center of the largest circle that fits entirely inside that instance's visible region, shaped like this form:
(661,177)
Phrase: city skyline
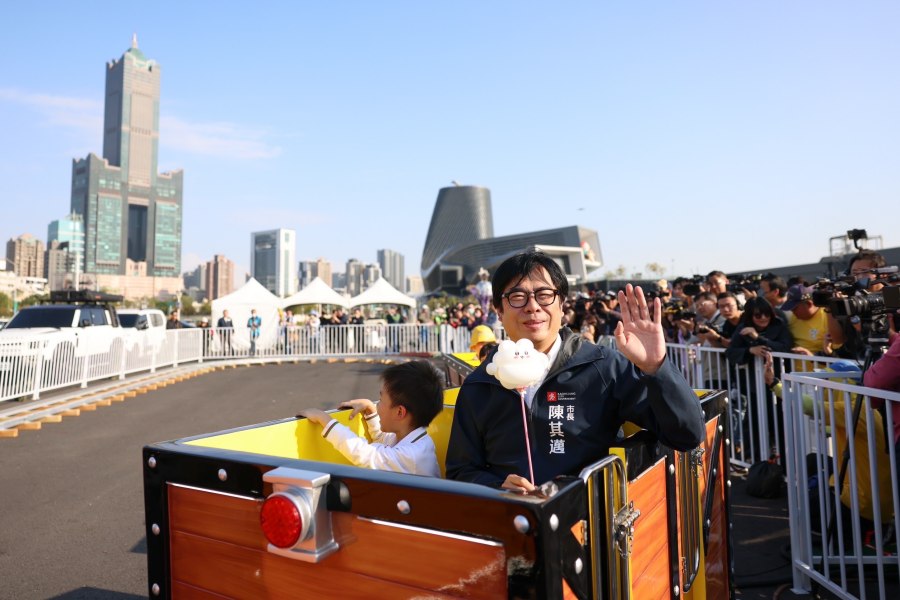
(665,129)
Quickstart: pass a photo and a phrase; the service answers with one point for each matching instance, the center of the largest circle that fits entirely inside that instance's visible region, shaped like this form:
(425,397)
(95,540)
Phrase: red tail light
(283,520)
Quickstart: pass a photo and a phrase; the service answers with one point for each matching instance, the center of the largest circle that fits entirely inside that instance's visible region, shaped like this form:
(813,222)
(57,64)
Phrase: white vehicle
(144,329)
(78,331)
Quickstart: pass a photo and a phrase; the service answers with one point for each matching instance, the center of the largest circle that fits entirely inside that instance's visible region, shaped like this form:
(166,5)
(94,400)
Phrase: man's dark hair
(485,350)
(876,258)
(417,387)
(727,295)
(776,283)
(795,280)
(705,296)
(518,267)
(712,274)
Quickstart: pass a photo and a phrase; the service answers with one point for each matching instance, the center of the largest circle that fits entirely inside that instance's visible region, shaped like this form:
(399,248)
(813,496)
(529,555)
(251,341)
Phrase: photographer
(760,331)
(848,336)
(884,374)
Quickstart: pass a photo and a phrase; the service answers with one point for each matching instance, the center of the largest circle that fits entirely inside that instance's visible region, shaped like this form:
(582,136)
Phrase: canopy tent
(239,303)
(317,292)
(382,292)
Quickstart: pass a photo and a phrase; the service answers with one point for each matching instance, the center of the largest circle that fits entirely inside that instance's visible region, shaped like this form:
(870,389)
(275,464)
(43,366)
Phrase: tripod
(877,344)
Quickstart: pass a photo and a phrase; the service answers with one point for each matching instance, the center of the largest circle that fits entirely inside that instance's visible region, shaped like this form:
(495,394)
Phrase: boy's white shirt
(414,454)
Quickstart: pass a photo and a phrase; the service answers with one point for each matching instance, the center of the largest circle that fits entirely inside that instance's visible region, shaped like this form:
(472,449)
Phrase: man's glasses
(518,299)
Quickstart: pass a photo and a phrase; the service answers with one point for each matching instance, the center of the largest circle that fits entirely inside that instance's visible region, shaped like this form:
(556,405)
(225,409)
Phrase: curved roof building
(461,241)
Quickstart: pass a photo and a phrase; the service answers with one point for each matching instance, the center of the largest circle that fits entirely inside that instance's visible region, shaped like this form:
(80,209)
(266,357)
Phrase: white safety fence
(841,467)
(36,364)
(756,412)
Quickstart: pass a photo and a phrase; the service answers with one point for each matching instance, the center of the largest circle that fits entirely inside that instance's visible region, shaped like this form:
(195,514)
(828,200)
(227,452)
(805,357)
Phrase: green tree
(187,306)
(5,305)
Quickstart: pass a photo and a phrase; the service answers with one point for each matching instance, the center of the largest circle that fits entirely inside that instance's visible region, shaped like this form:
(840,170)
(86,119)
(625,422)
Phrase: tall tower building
(393,268)
(65,252)
(130,211)
(219,277)
(272,258)
(26,255)
(354,275)
(323,270)
(462,215)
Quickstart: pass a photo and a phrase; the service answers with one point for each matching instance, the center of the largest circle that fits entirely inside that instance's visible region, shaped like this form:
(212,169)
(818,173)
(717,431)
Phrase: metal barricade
(843,493)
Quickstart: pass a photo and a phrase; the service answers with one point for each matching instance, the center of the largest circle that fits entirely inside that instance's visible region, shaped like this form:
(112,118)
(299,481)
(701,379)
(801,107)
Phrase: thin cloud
(81,114)
(85,116)
(223,140)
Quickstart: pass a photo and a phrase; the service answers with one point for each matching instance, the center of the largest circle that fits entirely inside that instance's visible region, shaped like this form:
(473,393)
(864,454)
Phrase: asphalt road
(71,494)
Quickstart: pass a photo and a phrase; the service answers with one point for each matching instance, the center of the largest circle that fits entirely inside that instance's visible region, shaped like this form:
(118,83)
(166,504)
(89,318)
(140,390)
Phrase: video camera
(846,297)
(692,286)
(677,311)
(745,282)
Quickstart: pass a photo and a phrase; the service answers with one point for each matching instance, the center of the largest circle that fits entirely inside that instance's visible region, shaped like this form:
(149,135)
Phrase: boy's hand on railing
(359,405)
(801,350)
(315,415)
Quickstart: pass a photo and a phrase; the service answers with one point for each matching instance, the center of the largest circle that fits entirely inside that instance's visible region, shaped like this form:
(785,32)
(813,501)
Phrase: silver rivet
(727,442)
(708,523)
(521,524)
(721,429)
(727,401)
(677,590)
(728,483)
(223,475)
(155,589)
(579,566)
(554,522)
(155,529)
(151,462)
(714,471)
(403,507)
(671,469)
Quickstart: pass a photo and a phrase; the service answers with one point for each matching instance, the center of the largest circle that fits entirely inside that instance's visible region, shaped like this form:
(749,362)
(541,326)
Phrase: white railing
(842,481)
(30,366)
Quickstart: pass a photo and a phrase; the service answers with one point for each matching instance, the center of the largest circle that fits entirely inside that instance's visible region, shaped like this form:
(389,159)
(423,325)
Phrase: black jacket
(776,336)
(574,418)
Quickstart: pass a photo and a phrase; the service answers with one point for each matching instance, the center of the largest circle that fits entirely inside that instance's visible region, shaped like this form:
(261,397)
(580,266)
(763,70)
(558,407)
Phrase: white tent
(317,292)
(239,303)
(382,292)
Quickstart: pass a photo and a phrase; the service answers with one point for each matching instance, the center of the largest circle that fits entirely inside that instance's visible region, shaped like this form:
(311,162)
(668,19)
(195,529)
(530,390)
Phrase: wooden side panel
(650,558)
(217,548)
(717,571)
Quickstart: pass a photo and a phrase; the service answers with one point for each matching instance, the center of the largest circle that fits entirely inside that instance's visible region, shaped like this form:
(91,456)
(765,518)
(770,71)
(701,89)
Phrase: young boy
(411,396)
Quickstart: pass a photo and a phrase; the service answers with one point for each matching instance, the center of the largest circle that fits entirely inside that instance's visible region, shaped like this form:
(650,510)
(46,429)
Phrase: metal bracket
(624,528)
(696,457)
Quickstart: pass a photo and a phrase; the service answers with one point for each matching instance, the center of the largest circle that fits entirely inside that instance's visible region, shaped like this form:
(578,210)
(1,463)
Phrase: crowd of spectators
(749,317)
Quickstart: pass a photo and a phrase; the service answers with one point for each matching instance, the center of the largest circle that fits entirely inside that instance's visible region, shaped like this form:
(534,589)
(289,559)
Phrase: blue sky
(697,135)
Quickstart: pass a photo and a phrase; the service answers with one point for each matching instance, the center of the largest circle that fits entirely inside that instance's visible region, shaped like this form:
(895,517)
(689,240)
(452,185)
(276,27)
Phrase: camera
(855,301)
(707,328)
(676,311)
(867,304)
(745,282)
(692,286)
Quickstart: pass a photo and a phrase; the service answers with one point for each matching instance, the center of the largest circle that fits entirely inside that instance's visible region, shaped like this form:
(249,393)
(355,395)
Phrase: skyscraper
(323,270)
(272,258)
(26,255)
(219,277)
(130,212)
(393,268)
(65,252)
(354,275)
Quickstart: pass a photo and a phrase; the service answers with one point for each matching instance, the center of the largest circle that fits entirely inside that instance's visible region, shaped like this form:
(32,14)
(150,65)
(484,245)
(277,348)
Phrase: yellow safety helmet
(481,335)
